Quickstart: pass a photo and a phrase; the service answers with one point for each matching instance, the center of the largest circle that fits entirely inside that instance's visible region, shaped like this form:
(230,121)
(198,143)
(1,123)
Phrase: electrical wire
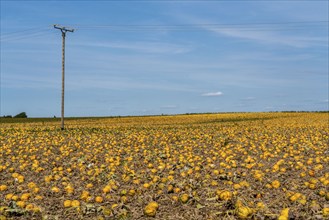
(209,24)
(20,35)
(120,29)
(22,31)
(200,27)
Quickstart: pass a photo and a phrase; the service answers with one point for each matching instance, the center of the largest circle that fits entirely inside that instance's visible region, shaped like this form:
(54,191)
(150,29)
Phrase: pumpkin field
(198,166)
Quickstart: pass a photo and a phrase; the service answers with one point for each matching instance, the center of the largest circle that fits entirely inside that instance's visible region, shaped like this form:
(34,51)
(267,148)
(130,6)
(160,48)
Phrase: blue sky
(164,57)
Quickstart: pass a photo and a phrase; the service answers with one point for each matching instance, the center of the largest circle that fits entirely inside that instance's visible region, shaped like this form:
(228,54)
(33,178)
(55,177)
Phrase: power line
(210,24)
(25,30)
(25,33)
(200,26)
(197,27)
(22,35)
(172,0)
(202,29)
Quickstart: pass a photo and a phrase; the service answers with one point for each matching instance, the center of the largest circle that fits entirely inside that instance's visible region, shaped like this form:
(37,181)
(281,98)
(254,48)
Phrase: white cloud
(249,98)
(212,94)
(141,46)
(262,34)
(31,82)
(124,83)
(272,37)
(169,106)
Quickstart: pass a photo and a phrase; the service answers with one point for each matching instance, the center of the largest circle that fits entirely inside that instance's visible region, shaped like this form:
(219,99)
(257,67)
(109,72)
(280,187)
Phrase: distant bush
(21,115)
(7,116)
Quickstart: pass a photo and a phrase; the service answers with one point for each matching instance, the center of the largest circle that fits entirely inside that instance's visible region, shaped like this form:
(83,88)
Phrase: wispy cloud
(124,83)
(142,46)
(33,82)
(262,34)
(169,106)
(250,98)
(270,37)
(212,94)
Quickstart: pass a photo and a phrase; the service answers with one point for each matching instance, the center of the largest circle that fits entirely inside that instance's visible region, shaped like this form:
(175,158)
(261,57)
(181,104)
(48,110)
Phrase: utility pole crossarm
(63,29)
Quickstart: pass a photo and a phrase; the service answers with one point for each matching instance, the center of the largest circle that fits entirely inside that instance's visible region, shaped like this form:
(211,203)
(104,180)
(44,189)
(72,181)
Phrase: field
(209,166)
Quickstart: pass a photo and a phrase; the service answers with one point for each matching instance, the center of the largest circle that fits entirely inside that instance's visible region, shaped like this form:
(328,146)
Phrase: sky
(164,57)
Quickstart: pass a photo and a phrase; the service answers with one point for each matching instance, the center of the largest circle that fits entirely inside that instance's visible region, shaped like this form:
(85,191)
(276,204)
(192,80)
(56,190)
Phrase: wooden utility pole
(63,30)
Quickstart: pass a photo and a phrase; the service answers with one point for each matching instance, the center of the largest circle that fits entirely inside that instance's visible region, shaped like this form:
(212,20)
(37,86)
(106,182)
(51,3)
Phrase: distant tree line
(300,111)
(20,115)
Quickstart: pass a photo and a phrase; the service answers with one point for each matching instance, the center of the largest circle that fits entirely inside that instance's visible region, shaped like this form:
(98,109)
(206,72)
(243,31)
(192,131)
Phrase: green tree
(21,115)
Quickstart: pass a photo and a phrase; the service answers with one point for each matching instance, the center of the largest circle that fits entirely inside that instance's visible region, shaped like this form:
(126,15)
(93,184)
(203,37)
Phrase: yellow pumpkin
(99,199)
(75,203)
(151,208)
(184,198)
(244,212)
(224,195)
(67,203)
